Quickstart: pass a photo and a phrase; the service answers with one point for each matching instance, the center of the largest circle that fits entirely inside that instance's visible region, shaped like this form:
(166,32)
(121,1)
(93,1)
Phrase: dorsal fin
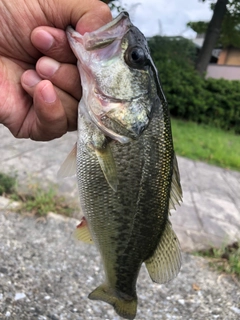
(176,189)
(165,262)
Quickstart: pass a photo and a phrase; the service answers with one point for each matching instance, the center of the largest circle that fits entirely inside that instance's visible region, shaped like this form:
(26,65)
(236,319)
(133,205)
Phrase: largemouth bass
(126,167)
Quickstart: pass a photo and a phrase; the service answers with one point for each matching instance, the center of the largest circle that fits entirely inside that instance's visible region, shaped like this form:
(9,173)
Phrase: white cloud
(172,14)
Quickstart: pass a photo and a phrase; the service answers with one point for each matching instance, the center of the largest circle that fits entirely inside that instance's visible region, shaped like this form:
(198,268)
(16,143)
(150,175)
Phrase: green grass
(40,202)
(205,143)
(36,201)
(225,259)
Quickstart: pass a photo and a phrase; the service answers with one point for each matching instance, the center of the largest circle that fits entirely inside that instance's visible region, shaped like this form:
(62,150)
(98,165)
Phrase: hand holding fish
(42,104)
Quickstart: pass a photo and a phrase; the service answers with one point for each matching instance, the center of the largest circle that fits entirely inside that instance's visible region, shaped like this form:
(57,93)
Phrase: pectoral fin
(68,167)
(165,263)
(107,163)
(82,232)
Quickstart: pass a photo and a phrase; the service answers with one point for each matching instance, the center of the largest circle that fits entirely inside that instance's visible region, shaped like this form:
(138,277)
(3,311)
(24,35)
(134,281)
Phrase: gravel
(45,274)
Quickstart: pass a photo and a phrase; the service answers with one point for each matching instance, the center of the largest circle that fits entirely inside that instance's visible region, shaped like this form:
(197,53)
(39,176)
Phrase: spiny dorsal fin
(176,189)
(82,232)
(107,163)
(68,167)
(165,263)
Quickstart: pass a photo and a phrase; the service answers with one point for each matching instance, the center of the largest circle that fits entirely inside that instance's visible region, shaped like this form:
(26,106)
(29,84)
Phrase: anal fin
(165,263)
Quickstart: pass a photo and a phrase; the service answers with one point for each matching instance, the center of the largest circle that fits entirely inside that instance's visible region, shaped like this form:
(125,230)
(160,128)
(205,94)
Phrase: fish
(127,171)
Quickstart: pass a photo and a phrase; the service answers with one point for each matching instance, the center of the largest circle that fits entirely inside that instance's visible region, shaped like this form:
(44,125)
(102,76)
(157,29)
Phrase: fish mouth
(110,32)
(103,36)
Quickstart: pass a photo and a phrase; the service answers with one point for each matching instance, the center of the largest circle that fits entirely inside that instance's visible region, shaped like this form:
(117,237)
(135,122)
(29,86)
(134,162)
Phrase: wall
(230,56)
(223,71)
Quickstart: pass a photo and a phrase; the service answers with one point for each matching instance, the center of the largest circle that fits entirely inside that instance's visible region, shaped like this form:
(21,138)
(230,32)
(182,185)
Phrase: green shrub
(190,97)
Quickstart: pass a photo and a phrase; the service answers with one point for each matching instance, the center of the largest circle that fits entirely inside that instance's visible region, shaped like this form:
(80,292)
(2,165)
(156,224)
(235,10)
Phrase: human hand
(29,106)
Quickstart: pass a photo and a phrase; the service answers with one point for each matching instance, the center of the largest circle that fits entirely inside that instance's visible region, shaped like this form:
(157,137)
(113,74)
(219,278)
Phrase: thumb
(84,15)
(94,18)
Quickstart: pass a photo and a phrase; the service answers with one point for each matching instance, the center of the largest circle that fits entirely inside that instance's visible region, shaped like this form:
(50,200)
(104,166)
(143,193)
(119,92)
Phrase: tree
(212,35)
(198,26)
(229,34)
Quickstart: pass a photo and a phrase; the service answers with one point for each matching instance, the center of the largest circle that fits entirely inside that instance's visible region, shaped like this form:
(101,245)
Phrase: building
(224,63)
(227,66)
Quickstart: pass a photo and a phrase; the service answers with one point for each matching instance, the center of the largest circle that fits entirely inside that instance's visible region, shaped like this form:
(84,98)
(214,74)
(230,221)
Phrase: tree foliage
(230,29)
(230,34)
(198,26)
(190,96)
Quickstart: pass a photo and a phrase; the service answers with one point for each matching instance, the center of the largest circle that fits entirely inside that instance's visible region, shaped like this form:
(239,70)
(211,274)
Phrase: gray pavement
(208,216)
(45,275)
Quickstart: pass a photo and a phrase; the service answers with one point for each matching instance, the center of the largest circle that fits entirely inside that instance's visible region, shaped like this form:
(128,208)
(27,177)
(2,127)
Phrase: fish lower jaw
(106,131)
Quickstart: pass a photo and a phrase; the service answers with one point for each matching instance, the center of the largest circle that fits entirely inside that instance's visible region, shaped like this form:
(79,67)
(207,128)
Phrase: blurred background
(196,48)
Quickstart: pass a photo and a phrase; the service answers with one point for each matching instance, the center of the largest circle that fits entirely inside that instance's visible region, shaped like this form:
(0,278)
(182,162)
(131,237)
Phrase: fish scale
(126,168)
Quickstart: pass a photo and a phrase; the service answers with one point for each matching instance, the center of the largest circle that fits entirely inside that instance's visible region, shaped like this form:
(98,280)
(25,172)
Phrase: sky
(167,17)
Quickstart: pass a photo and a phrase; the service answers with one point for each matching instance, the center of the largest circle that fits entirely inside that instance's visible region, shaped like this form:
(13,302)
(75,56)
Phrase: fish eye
(135,57)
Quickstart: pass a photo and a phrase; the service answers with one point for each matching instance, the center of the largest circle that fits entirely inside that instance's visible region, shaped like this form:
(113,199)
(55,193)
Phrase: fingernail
(43,40)
(31,78)
(47,67)
(48,93)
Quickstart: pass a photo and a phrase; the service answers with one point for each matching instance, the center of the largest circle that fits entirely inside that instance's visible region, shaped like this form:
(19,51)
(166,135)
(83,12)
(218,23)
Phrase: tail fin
(125,308)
